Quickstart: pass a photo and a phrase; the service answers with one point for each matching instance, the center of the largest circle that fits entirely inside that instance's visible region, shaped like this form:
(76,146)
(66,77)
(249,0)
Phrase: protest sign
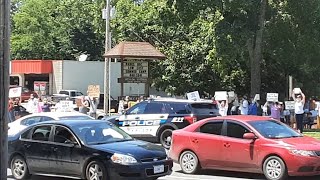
(65,106)
(194,96)
(220,95)
(257,97)
(272,97)
(289,105)
(297,91)
(15,92)
(93,91)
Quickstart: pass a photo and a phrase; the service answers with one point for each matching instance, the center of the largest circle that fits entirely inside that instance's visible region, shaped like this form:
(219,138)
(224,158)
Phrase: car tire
(165,138)
(96,168)
(274,168)
(19,168)
(189,162)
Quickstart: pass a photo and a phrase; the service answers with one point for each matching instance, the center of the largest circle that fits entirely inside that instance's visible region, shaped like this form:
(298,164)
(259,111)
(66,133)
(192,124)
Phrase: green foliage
(57,29)
(205,41)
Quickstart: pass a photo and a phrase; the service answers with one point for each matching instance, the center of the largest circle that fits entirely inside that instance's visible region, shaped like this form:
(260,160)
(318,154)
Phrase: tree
(57,29)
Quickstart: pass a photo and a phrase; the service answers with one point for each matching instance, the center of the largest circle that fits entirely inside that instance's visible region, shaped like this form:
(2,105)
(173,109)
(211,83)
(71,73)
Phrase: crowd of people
(85,105)
(303,113)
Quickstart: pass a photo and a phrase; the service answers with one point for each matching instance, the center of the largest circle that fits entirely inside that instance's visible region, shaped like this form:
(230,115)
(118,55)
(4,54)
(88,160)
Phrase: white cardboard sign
(15,92)
(194,96)
(221,95)
(257,97)
(272,97)
(65,106)
(289,105)
(297,91)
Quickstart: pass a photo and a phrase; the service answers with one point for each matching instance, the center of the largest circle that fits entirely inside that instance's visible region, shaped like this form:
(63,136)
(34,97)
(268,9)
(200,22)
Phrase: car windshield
(100,133)
(75,118)
(273,129)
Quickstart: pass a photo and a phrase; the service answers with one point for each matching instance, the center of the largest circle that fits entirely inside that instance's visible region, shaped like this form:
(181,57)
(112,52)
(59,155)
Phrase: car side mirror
(249,136)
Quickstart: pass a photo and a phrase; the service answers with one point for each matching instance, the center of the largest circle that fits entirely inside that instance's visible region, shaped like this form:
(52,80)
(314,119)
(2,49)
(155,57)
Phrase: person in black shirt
(17,108)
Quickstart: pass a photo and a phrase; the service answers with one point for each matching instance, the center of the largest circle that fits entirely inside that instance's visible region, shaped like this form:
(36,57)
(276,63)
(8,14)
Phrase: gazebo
(135,57)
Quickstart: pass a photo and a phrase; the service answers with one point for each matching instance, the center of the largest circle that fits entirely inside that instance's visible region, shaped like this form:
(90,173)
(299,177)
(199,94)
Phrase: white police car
(154,120)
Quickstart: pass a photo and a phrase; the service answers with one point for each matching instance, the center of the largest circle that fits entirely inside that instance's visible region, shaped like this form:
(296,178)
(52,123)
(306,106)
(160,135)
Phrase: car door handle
(27,146)
(195,141)
(137,118)
(54,149)
(226,145)
(161,116)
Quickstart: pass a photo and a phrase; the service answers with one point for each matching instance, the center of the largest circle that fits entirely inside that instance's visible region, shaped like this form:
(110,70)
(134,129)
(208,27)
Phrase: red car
(253,144)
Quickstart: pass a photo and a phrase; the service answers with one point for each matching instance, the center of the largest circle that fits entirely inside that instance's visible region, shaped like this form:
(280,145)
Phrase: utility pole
(4,84)
(107,61)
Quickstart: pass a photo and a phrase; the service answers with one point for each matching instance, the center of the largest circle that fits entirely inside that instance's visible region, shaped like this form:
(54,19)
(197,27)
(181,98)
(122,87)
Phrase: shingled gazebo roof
(134,50)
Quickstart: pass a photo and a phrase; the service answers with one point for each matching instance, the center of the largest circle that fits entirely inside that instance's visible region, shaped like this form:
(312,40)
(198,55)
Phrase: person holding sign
(300,100)
(223,107)
(276,111)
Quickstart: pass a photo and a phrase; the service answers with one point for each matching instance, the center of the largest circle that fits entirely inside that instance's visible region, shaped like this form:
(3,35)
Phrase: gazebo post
(122,88)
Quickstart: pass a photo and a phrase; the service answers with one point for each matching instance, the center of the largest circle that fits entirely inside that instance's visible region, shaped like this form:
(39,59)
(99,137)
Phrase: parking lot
(204,175)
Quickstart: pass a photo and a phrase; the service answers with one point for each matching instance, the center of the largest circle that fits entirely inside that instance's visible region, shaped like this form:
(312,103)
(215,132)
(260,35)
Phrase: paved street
(205,175)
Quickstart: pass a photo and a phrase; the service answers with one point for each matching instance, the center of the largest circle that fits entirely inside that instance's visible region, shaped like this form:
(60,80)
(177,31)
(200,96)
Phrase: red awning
(31,67)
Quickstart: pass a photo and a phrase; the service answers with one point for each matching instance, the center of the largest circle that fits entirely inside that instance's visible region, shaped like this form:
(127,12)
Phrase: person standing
(299,100)
(10,110)
(84,105)
(45,107)
(253,107)
(17,109)
(93,107)
(32,106)
(223,107)
(276,111)
(244,106)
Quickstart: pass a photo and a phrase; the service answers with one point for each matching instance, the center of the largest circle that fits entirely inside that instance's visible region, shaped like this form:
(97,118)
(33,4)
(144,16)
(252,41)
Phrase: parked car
(246,143)
(85,149)
(25,93)
(155,120)
(23,122)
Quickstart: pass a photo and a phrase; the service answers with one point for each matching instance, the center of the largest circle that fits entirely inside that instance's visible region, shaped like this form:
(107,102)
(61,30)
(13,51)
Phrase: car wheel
(96,171)
(274,168)
(19,168)
(165,138)
(189,162)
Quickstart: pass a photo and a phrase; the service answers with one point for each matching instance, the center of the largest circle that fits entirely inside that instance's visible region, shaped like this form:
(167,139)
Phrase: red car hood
(301,143)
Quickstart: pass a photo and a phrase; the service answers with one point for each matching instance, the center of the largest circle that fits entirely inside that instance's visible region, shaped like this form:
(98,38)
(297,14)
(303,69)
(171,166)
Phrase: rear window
(75,118)
(64,92)
(179,108)
(204,108)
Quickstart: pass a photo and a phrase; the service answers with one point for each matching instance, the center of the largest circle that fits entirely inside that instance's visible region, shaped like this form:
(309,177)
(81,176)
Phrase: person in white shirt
(32,106)
(223,107)
(300,100)
(244,106)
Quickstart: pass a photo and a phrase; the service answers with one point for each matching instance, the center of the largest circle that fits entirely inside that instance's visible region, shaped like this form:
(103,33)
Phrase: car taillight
(191,119)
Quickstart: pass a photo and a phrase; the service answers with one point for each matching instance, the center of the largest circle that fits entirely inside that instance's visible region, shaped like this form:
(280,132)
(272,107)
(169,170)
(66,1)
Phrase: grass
(314,134)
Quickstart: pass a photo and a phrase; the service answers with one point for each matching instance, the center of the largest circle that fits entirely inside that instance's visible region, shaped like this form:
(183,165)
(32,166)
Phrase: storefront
(28,73)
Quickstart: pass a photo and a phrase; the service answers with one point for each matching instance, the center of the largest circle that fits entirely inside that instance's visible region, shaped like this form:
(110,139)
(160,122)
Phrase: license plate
(158,169)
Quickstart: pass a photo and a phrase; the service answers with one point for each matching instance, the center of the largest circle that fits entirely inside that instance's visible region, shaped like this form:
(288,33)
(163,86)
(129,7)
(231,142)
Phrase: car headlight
(123,159)
(303,153)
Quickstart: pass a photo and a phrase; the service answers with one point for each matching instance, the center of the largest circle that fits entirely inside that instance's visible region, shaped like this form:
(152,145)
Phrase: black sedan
(93,150)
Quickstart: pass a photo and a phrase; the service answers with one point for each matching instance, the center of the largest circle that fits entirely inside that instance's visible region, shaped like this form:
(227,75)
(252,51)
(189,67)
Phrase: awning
(31,67)
(134,50)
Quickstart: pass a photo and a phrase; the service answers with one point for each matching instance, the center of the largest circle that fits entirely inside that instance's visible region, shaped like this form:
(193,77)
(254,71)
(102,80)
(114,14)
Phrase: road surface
(204,175)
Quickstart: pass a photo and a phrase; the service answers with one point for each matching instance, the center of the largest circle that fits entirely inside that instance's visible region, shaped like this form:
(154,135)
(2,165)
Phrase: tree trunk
(255,51)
